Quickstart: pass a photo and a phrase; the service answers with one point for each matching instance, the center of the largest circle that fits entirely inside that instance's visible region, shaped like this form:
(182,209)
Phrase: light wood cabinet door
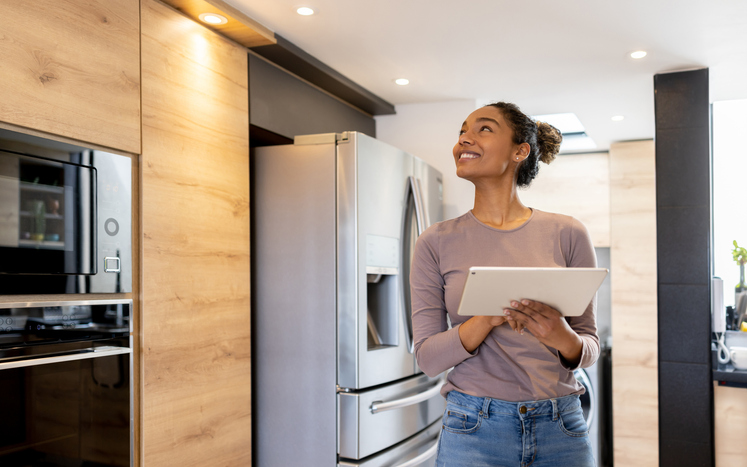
(195,334)
(72,69)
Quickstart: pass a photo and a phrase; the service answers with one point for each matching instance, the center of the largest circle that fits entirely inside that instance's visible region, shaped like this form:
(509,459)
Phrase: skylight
(574,135)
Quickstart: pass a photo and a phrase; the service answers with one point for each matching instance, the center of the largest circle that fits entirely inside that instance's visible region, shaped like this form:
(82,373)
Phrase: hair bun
(548,140)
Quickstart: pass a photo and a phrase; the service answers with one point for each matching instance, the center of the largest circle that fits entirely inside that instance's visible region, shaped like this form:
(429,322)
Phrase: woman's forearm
(473,332)
(572,349)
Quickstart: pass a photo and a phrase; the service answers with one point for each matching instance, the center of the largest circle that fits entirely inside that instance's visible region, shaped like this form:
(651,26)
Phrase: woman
(512,398)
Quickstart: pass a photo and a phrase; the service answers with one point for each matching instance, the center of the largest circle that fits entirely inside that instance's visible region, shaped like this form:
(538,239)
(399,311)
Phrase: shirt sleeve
(437,347)
(581,254)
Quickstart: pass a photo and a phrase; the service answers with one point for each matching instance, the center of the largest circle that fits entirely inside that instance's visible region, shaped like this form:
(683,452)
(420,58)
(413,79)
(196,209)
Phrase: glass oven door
(70,409)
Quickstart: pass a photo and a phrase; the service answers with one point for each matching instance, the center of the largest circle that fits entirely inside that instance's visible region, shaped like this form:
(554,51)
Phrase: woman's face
(485,149)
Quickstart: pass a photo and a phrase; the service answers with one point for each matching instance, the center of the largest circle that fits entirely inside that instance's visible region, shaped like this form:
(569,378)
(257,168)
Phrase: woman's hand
(548,326)
(474,331)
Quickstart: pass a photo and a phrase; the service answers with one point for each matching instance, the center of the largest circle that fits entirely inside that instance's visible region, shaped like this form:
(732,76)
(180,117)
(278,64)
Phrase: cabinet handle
(83,354)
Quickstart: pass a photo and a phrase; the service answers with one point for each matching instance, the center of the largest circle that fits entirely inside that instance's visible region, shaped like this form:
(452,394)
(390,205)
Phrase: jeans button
(523,409)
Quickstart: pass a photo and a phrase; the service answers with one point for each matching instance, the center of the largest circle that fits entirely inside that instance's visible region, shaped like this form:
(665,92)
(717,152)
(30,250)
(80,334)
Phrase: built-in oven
(65,218)
(66,384)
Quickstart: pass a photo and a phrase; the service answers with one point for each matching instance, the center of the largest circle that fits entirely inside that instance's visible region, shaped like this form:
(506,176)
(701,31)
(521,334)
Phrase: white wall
(429,131)
(729,169)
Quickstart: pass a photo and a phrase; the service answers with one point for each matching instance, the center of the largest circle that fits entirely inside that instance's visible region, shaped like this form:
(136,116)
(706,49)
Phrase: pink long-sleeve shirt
(507,365)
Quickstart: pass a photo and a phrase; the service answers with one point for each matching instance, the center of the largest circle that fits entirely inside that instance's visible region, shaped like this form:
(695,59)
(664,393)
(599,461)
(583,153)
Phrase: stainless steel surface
(93,352)
(420,459)
(364,432)
(417,451)
(420,213)
(588,400)
(294,317)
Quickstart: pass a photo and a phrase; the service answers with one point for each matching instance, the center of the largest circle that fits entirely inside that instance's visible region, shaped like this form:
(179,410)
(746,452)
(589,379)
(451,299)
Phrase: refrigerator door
(373,186)
(374,420)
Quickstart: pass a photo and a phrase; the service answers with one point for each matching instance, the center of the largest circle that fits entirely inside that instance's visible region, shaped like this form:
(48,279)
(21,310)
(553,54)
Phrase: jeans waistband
(524,409)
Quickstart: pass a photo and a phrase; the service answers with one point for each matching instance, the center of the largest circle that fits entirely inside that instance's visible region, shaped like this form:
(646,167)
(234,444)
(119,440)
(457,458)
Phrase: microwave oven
(65,218)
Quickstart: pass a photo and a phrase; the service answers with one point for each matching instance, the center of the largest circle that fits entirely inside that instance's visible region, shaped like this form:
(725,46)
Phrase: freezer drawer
(374,420)
(418,451)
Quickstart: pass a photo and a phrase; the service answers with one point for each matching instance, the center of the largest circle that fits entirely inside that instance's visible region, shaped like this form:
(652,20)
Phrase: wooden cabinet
(577,185)
(194,333)
(72,69)
(635,384)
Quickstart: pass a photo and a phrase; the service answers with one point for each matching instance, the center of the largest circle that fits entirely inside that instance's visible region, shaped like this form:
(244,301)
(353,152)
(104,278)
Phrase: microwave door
(48,216)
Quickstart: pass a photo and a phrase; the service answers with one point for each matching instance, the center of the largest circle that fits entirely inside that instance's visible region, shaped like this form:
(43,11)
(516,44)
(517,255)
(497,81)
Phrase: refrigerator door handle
(430,452)
(93,352)
(414,205)
(420,212)
(379,406)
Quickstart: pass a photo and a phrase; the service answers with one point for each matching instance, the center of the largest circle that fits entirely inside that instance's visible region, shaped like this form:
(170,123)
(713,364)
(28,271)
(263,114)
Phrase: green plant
(739,254)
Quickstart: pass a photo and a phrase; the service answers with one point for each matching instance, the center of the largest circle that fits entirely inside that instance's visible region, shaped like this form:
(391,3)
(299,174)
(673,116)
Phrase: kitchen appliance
(718,311)
(335,219)
(65,218)
(65,377)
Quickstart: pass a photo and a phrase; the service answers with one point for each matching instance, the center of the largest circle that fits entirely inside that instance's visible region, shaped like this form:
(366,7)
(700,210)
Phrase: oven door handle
(83,354)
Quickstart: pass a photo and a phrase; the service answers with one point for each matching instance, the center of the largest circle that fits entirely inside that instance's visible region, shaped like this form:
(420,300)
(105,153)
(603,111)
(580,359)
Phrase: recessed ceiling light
(402,81)
(213,18)
(305,11)
(618,118)
(638,54)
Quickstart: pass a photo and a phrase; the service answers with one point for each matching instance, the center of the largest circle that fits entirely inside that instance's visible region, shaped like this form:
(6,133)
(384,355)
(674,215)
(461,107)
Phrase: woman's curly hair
(543,139)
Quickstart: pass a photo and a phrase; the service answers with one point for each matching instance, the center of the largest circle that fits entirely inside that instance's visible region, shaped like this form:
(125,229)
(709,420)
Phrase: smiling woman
(512,377)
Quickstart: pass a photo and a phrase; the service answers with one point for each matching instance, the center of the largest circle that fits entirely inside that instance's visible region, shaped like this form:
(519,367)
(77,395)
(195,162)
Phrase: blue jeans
(484,432)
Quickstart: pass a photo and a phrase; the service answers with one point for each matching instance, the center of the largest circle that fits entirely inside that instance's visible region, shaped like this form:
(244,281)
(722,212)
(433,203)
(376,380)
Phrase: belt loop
(554,409)
(486,407)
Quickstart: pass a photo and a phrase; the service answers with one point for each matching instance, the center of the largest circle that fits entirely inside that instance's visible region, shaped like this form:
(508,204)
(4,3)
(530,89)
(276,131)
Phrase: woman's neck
(499,207)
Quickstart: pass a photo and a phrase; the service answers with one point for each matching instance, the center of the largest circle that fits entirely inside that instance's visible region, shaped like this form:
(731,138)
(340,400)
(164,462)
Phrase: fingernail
(514,303)
(506,312)
(525,302)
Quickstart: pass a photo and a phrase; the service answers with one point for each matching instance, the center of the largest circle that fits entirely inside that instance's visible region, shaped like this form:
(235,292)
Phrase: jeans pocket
(572,423)
(461,419)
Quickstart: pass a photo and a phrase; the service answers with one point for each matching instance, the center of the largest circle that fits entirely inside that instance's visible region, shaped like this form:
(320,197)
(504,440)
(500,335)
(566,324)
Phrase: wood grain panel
(196,402)
(635,389)
(577,185)
(730,413)
(72,69)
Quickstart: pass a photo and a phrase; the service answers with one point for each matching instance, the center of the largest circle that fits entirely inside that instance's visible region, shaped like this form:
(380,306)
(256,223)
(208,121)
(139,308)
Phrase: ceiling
(547,56)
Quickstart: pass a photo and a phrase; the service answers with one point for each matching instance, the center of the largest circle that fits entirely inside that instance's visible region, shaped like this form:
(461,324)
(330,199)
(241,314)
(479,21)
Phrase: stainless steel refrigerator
(335,382)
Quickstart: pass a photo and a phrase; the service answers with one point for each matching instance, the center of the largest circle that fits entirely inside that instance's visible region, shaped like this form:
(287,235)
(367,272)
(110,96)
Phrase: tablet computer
(489,290)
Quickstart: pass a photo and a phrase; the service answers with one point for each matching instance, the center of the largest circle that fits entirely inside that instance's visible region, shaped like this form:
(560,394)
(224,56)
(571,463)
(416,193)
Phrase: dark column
(683,220)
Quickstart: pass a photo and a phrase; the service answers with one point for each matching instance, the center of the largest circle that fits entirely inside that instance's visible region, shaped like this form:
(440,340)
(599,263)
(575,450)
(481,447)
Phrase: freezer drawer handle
(93,352)
(422,457)
(380,406)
